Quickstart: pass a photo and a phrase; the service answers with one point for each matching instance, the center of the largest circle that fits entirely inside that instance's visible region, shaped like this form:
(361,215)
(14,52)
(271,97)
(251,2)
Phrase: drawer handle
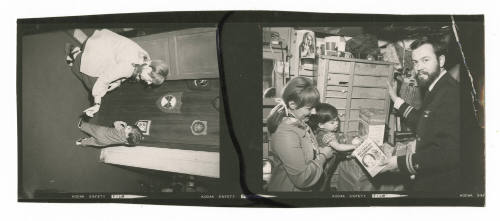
(343,82)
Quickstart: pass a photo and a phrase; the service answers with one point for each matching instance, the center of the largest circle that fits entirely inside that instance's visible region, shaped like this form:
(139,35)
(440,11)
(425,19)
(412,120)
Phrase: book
(370,156)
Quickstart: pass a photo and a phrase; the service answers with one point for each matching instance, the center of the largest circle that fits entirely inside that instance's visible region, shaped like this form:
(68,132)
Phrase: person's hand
(390,164)
(119,124)
(327,151)
(357,141)
(113,85)
(350,156)
(392,88)
(92,110)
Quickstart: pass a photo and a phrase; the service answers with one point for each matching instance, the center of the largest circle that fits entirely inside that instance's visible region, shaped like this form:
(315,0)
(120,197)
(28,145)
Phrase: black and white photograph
(380,107)
(126,108)
(252,109)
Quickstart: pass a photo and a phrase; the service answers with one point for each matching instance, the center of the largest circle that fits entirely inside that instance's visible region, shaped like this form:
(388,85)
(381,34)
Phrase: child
(100,136)
(325,124)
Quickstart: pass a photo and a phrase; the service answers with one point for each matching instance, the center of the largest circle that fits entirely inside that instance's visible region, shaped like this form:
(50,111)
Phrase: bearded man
(435,165)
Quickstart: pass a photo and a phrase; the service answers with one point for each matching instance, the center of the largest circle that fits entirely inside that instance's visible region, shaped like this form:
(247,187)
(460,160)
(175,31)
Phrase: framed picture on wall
(144,126)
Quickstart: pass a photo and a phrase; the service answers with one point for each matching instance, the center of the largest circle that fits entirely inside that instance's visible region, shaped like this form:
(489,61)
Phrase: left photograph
(117,110)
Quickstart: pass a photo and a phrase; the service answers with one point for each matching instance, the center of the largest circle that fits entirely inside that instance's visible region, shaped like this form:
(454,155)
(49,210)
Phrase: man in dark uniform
(436,163)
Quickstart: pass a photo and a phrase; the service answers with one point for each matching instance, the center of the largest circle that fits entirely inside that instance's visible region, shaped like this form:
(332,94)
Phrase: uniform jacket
(436,161)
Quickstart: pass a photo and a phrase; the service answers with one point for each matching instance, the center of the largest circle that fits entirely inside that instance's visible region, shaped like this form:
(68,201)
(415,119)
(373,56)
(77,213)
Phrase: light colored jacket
(294,147)
(110,57)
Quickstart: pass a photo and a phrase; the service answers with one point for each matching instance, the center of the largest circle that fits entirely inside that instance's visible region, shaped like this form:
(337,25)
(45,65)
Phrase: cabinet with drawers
(351,84)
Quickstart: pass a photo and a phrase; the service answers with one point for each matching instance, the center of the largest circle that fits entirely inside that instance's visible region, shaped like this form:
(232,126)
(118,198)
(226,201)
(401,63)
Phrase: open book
(370,156)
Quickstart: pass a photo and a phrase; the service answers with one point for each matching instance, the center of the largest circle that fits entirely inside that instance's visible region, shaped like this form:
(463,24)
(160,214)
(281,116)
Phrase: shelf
(355,60)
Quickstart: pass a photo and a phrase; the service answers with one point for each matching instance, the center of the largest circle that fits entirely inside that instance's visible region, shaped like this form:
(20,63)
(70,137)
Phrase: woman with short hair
(106,59)
(299,159)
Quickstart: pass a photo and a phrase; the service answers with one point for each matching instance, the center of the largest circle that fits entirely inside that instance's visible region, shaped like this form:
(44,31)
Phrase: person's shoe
(67,49)
(79,142)
(83,118)
(71,52)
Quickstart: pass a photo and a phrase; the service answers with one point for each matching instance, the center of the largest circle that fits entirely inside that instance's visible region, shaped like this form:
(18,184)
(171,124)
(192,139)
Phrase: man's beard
(428,78)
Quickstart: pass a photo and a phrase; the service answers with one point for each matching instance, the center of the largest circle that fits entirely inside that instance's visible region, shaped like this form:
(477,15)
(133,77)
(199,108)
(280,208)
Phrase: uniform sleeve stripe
(409,164)
(407,111)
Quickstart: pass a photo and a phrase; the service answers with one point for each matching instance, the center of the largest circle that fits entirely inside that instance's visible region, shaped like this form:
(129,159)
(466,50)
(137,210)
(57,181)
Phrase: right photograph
(388,107)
